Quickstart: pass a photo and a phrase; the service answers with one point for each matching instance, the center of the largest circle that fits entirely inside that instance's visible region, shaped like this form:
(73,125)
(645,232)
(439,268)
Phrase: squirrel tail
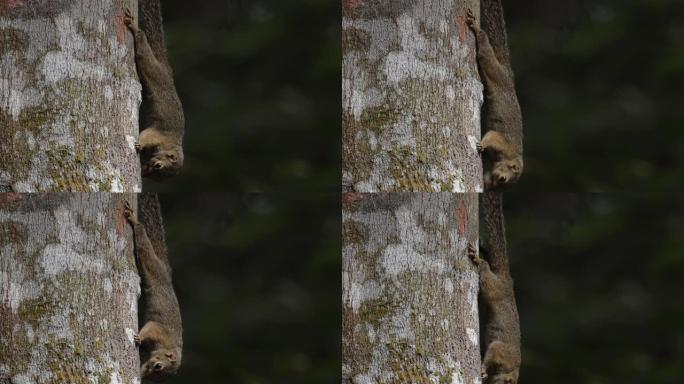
(494,24)
(495,245)
(150,15)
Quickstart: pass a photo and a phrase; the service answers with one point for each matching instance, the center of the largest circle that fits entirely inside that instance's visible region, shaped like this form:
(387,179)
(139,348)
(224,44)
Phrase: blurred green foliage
(599,285)
(260,85)
(258,281)
(600,85)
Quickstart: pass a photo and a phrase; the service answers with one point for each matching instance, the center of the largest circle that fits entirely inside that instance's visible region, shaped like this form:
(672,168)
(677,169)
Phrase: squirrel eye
(171,156)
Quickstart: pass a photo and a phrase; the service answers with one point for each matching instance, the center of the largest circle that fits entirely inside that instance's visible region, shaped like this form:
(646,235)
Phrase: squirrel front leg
(490,283)
(151,70)
(492,70)
(497,144)
(153,269)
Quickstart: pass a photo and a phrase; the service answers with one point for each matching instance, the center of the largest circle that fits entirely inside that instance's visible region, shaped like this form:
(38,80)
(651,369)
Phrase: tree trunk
(410,312)
(68,97)
(411,97)
(68,289)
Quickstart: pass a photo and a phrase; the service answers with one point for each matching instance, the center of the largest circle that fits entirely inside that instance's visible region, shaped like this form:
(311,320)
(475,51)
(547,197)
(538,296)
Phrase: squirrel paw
(484,375)
(137,147)
(472,254)
(129,214)
(137,341)
(130,21)
(479,147)
(470,20)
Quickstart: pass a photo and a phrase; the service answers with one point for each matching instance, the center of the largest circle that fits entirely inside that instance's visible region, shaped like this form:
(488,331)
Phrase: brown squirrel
(502,118)
(162,121)
(160,339)
(502,358)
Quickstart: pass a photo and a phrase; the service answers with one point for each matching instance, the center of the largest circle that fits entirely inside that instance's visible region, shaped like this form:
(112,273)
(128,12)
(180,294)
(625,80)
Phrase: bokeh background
(258,281)
(598,280)
(260,82)
(600,85)
(598,276)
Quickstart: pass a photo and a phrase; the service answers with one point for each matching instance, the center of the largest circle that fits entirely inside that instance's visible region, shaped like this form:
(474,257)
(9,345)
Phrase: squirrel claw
(472,254)
(128,213)
(470,19)
(129,20)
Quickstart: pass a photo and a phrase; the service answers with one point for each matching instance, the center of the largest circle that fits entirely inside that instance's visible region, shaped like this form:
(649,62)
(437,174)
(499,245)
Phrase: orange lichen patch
(10,4)
(120,221)
(349,4)
(462,28)
(462,218)
(351,197)
(9,197)
(120,28)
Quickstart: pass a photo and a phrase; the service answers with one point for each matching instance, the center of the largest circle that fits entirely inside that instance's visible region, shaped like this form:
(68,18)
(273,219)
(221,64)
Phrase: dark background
(257,275)
(258,281)
(260,82)
(600,85)
(599,285)
(598,277)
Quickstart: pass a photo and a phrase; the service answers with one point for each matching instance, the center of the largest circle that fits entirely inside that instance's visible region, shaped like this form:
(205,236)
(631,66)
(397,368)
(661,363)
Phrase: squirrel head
(163,162)
(161,363)
(506,171)
(505,378)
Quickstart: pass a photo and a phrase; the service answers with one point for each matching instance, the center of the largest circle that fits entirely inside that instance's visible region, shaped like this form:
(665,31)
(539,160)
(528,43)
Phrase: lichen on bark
(411,98)
(68,290)
(68,98)
(409,291)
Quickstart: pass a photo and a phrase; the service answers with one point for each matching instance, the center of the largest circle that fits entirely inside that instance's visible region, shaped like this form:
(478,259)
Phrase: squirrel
(502,143)
(502,358)
(160,339)
(162,121)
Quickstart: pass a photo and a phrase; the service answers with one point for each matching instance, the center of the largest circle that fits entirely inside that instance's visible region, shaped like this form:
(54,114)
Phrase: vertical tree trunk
(68,97)
(410,311)
(68,289)
(410,97)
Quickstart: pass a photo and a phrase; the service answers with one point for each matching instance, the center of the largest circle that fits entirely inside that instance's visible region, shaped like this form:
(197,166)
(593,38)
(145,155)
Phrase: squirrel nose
(502,179)
(158,366)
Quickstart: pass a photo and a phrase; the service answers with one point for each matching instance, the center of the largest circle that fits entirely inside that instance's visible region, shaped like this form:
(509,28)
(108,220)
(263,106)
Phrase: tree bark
(68,97)
(410,312)
(411,97)
(68,288)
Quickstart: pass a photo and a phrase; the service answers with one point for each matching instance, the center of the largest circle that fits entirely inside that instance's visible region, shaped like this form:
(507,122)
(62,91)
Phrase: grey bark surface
(409,291)
(69,97)
(411,97)
(68,289)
